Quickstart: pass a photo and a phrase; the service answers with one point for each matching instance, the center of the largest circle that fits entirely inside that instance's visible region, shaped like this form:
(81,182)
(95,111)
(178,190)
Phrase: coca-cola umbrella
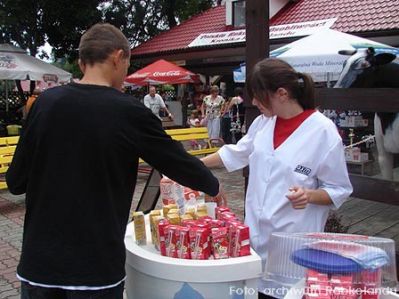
(162,72)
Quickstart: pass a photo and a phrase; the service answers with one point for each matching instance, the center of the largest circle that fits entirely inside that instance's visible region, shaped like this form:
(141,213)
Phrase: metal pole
(5,81)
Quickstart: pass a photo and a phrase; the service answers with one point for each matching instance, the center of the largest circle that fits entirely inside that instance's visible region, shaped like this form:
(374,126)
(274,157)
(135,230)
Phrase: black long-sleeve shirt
(77,163)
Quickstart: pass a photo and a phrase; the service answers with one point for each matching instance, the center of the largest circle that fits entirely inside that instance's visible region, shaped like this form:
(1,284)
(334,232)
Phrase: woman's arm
(203,108)
(212,160)
(300,197)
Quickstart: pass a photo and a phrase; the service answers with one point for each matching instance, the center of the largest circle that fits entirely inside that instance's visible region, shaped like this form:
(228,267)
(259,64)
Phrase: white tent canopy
(15,64)
(318,56)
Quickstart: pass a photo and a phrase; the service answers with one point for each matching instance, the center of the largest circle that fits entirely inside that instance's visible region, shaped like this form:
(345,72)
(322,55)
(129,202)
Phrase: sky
(46,48)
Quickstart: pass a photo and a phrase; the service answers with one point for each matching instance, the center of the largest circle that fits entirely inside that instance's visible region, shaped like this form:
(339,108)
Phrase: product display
(334,266)
(139,228)
(195,234)
(182,198)
(204,237)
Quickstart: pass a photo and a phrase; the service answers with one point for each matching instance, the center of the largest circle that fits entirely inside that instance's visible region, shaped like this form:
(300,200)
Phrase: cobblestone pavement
(12,210)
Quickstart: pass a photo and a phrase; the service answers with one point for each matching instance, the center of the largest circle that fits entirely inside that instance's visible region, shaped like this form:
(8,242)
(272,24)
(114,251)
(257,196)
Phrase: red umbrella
(162,72)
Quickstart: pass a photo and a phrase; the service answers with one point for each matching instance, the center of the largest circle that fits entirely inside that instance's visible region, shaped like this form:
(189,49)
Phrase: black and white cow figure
(364,68)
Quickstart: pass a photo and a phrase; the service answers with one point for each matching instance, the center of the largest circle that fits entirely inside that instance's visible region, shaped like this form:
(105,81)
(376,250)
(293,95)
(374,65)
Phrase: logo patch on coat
(303,170)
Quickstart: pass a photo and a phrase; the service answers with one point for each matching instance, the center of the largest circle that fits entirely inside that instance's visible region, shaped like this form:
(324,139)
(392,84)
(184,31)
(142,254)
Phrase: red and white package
(205,219)
(313,276)
(232,228)
(241,245)
(220,242)
(317,296)
(199,243)
(220,210)
(191,195)
(203,225)
(317,284)
(371,283)
(169,191)
(228,217)
(163,224)
(343,287)
(216,223)
(189,223)
(171,240)
(372,277)
(345,281)
(183,243)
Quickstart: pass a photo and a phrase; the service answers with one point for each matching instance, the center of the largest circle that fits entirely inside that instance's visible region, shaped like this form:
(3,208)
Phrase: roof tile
(353,16)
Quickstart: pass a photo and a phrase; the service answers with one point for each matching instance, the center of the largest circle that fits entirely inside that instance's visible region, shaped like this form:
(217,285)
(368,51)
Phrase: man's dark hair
(100,41)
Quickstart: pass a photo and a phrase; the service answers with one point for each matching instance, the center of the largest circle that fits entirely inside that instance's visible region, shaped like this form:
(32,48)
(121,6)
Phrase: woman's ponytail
(306,98)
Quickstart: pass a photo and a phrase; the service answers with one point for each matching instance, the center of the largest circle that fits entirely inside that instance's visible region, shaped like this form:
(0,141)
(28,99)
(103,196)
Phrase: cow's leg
(385,159)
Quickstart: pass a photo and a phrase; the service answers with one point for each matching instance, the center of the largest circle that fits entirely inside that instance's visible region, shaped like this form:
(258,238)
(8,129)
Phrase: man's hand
(170,115)
(220,198)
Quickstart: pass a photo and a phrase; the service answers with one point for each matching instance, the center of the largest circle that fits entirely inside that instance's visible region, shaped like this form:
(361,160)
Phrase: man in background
(155,102)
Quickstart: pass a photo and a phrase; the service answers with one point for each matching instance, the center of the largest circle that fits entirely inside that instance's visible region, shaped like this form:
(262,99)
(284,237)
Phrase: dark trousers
(225,128)
(33,292)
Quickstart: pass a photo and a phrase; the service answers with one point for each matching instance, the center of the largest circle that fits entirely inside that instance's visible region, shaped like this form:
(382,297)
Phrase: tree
(22,24)
(65,21)
(29,24)
(141,20)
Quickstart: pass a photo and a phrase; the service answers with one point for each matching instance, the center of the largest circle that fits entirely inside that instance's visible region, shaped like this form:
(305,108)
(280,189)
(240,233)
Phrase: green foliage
(141,20)
(29,24)
(71,67)
(65,22)
(22,23)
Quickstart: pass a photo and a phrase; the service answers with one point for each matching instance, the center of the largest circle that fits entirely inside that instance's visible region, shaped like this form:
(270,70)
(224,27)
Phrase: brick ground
(12,210)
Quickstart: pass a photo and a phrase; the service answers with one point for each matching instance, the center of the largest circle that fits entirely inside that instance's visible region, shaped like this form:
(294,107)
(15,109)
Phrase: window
(239,13)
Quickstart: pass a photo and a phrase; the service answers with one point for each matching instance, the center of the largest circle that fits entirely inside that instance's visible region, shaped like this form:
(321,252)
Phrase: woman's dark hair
(97,43)
(271,74)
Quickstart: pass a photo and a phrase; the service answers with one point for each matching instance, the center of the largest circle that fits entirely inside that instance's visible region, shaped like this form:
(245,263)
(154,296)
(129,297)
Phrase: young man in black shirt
(77,163)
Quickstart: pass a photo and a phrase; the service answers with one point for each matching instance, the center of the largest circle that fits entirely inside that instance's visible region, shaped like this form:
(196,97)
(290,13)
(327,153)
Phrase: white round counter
(152,276)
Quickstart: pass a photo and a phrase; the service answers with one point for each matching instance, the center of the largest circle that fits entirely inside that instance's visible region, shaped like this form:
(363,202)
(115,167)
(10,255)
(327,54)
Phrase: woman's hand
(299,197)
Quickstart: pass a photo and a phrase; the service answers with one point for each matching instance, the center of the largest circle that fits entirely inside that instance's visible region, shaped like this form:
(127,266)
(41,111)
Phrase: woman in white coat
(297,169)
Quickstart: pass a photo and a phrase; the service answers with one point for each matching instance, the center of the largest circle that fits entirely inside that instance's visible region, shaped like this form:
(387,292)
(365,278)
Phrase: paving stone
(6,287)
(8,294)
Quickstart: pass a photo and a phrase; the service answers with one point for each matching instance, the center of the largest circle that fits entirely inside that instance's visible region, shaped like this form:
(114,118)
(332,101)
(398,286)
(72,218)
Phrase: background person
(226,124)
(297,169)
(211,109)
(155,102)
(77,163)
(237,112)
(26,108)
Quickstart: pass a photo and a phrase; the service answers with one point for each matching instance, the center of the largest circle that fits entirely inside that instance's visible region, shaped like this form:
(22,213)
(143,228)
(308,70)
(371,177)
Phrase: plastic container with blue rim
(292,255)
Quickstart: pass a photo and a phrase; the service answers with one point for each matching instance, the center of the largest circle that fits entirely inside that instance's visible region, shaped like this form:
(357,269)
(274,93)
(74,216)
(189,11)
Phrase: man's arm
(17,174)
(164,108)
(169,157)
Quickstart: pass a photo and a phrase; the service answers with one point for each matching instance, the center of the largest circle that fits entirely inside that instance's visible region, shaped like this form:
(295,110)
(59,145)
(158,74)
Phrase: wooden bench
(199,135)
(7,149)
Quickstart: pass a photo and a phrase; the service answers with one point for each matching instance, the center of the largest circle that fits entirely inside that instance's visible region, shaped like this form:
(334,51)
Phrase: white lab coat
(312,157)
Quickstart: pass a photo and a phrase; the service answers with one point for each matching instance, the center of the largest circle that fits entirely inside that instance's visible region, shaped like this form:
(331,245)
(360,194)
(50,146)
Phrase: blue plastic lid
(325,262)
